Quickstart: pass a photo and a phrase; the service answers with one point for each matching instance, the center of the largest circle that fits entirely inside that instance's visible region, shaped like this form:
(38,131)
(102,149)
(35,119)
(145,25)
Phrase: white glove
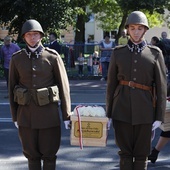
(109,123)
(156,124)
(16,124)
(67,124)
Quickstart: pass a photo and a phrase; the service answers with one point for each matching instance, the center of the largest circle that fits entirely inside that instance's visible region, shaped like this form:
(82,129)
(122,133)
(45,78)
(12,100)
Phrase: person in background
(95,63)
(164,35)
(165,42)
(106,48)
(124,38)
(37,83)
(54,44)
(165,135)
(90,65)
(80,60)
(135,70)
(157,42)
(7,51)
(162,141)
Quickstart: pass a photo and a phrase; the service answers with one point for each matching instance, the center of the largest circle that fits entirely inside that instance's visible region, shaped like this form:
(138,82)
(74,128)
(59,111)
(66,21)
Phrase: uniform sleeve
(13,80)
(64,88)
(112,83)
(161,87)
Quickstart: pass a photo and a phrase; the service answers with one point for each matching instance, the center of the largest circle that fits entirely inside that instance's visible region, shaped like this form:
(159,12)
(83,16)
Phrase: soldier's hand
(16,124)
(109,123)
(156,124)
(67,124)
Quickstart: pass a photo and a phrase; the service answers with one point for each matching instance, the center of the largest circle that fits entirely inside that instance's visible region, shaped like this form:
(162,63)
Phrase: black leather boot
(126,164)
(140,165)
(49,165)
(34,165)
(153,156)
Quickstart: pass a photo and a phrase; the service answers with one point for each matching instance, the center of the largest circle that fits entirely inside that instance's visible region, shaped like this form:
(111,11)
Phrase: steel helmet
(31,25)
(137,17)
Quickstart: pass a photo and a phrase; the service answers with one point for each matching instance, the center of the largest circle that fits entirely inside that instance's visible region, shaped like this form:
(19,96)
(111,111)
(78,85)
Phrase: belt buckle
(131,84)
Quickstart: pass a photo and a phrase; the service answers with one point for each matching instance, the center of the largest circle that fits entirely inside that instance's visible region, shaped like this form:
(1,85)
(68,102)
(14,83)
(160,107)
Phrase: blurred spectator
(164,35)
(90,65)
(164,136)
(106,47)
(7,51)
(80,60)
(95,63)
(123,39)
(54,44)
(157,42)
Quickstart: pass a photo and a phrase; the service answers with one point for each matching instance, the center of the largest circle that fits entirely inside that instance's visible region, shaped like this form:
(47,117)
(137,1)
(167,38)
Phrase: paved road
(69,157)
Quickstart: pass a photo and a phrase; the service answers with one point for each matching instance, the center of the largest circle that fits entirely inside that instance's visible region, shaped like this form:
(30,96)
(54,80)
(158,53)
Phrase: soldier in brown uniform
(134,69)
(38,82)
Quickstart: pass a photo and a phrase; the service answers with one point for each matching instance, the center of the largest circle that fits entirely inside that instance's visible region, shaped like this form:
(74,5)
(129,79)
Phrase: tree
(114,13)
(81,18)
(52,14)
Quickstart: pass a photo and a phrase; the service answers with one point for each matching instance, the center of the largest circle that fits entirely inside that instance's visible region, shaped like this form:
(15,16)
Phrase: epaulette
(51,50)
(119,47)
(17,52)
(154,47)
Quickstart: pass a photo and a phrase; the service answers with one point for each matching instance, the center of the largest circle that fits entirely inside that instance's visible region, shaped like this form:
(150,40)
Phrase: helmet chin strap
(140,39)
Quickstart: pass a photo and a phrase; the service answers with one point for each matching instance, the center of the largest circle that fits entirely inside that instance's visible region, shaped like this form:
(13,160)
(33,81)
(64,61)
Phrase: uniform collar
(34,54)
(136,47)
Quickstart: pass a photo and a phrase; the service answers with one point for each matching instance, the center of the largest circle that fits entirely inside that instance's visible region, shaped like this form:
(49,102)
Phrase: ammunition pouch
(54,94)
(21,95)
(41,97)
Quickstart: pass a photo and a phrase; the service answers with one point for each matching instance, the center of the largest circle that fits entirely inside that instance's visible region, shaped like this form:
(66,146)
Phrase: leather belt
(132,84)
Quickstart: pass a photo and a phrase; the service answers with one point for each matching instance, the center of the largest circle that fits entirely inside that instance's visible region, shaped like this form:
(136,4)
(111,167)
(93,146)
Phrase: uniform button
(34,68)
(34,85)
(135,61)
(134,79)
(34,75)
(134,70)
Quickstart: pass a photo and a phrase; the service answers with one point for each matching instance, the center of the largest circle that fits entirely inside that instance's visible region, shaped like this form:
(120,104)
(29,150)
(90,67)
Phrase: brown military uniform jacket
(142,64)
(40,69)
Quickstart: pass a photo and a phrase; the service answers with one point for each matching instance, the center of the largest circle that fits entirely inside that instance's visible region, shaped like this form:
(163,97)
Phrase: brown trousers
(134,142)
(40,144)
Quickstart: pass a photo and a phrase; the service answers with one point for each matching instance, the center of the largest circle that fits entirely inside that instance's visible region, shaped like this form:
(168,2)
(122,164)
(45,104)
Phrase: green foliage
(112,14)
(149,5)
(108,13)
(54,14)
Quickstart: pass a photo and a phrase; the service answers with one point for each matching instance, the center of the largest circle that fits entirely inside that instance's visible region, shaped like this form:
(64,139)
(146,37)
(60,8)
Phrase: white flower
(93,111)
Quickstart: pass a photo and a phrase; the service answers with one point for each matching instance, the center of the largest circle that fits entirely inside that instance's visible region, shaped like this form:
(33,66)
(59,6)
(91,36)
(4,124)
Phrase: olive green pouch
(54,94)
(21,96)
(43,96)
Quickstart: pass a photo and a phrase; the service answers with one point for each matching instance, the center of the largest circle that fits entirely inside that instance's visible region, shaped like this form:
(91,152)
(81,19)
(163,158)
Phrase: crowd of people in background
(92,62)
(97,63)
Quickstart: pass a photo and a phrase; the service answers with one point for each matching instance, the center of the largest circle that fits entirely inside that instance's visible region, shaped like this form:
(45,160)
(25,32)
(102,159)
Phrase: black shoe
(153,156)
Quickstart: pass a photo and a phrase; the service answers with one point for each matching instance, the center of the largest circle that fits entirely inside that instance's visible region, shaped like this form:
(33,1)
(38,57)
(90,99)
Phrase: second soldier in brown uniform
(133,70)
(38,80)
